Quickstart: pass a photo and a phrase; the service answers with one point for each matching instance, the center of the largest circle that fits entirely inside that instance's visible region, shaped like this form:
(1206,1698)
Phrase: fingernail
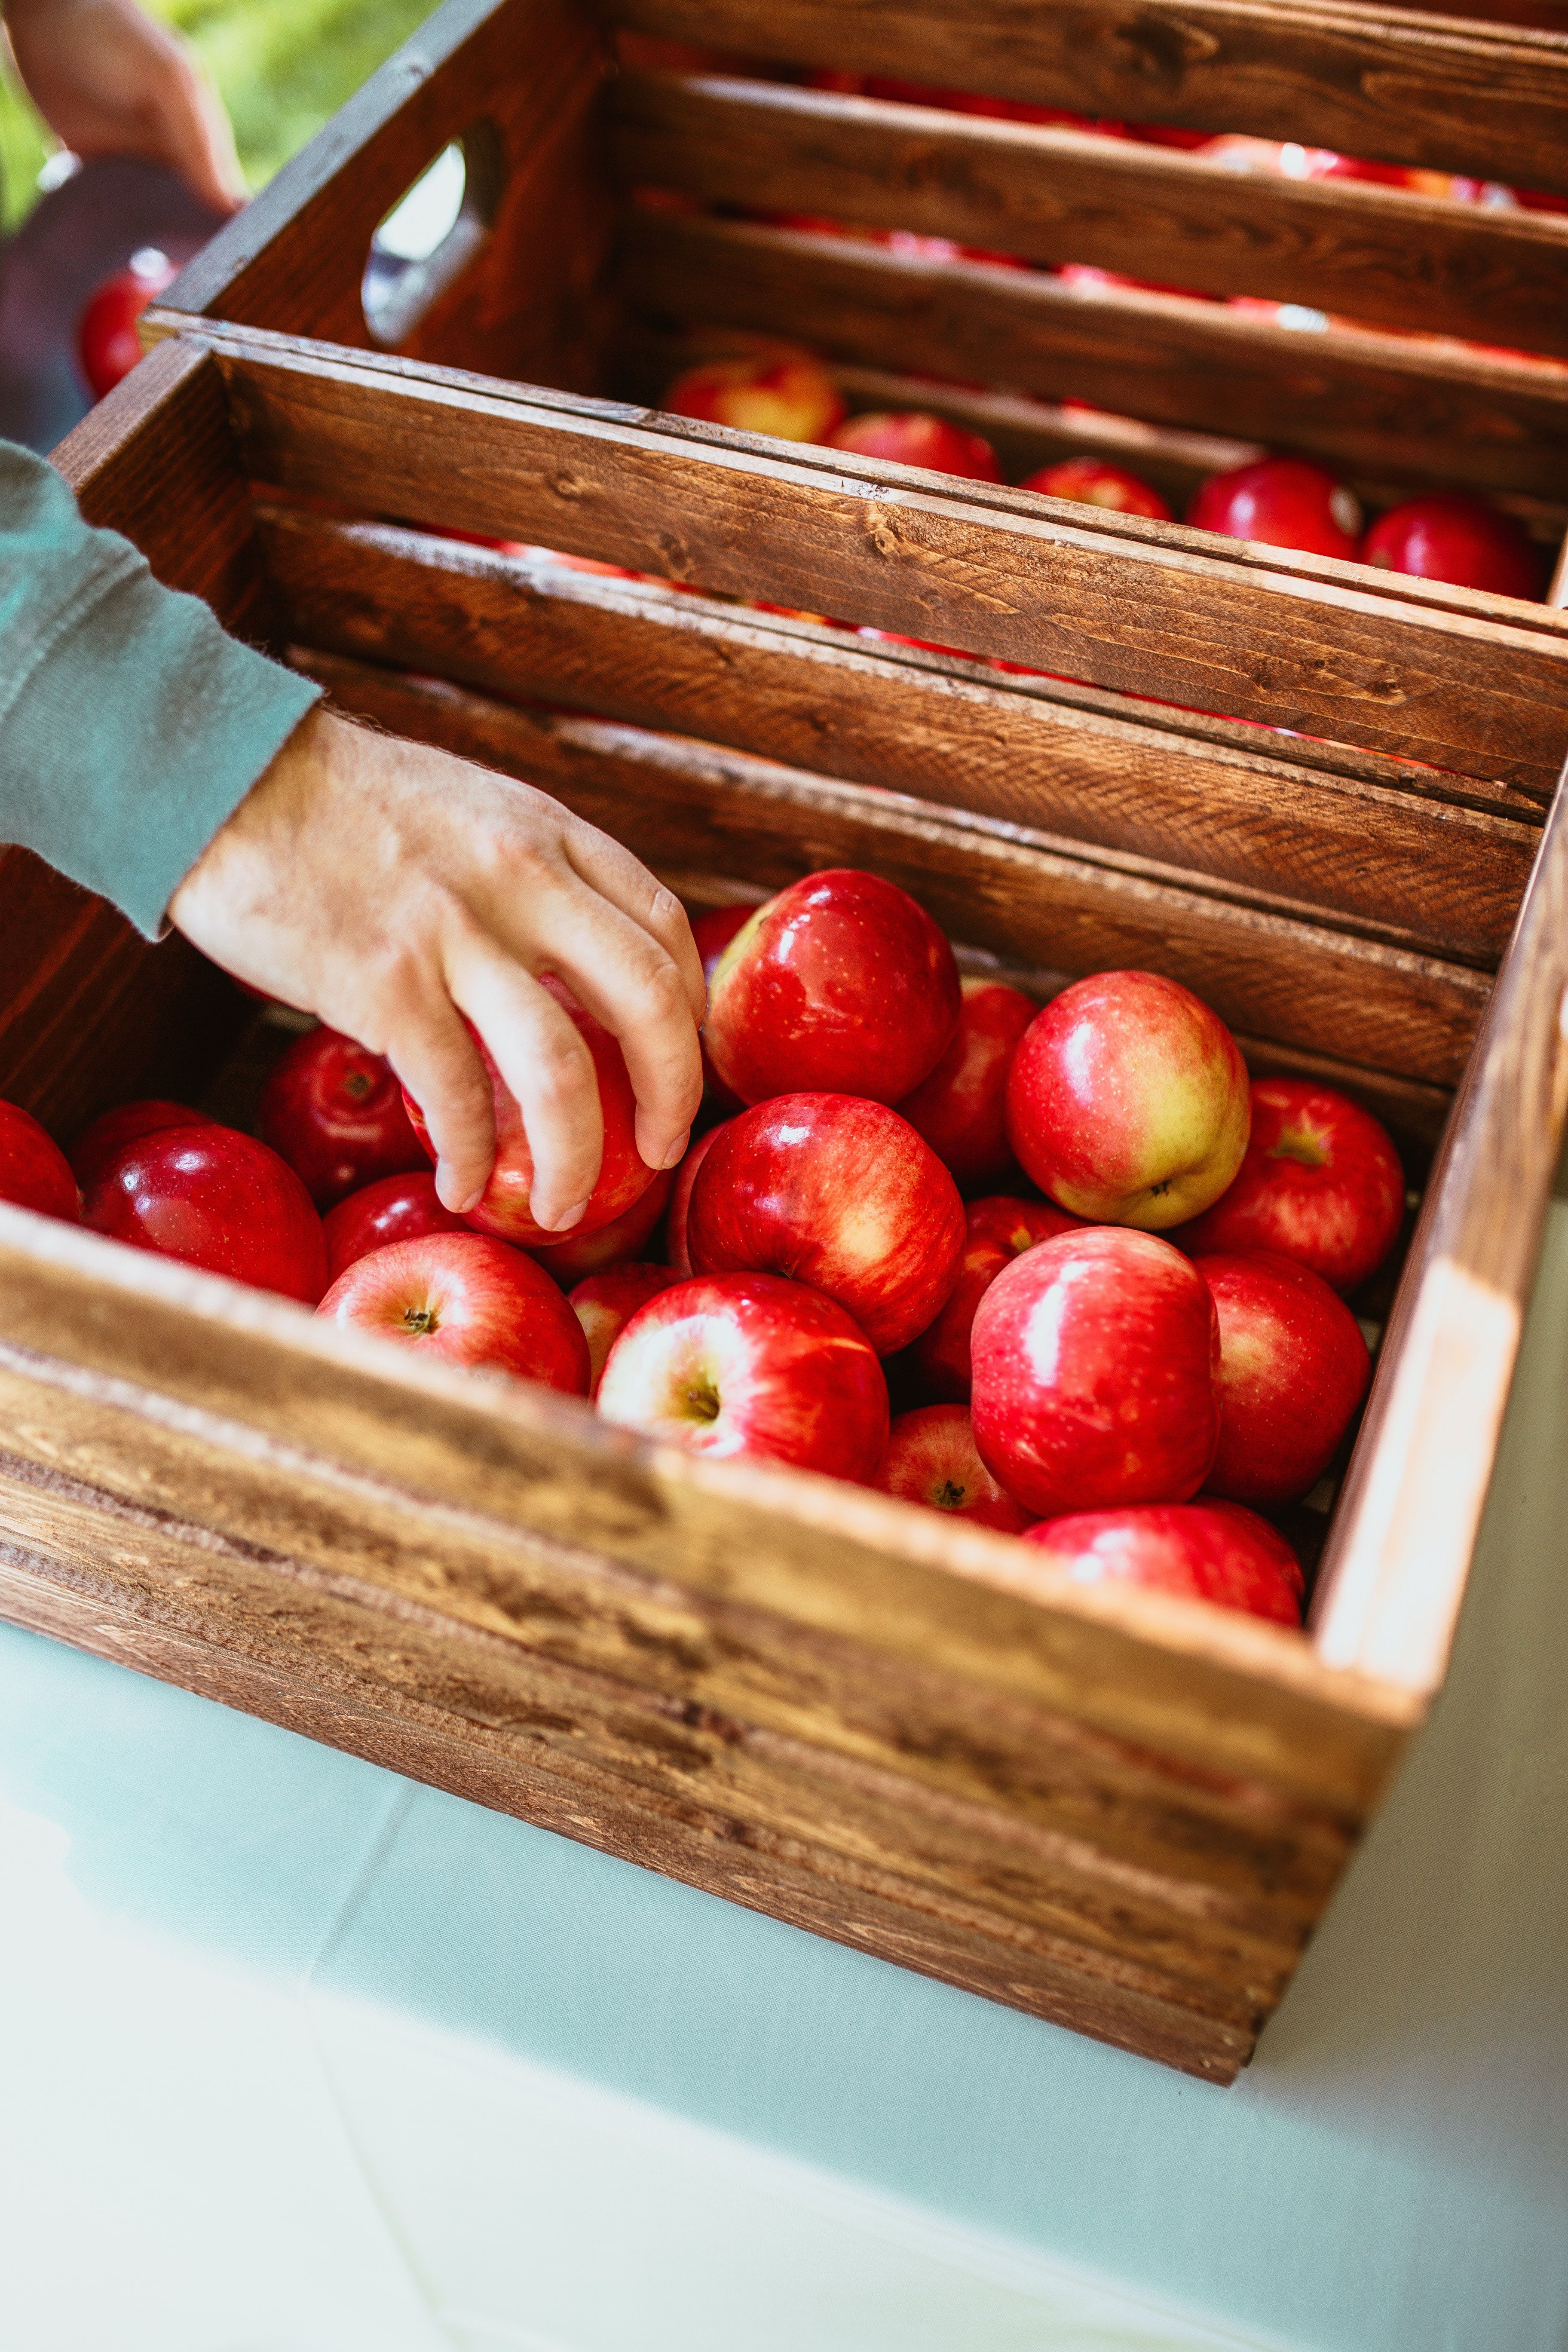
(677,1152)
(473,1201)
(563,1223)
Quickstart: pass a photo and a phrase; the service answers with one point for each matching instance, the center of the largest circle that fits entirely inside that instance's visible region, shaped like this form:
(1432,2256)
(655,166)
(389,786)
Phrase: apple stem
(704,1401)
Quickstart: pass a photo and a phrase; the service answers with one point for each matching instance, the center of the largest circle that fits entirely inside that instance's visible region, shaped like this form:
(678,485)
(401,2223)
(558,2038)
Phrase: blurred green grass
(283,68)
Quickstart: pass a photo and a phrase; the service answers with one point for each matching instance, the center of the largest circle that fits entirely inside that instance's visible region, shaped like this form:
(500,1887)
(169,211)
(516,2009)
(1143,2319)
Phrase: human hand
(392,890)
(109,80)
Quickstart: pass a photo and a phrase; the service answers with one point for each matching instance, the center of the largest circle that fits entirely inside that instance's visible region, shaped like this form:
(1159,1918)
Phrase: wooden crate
(1108,1808)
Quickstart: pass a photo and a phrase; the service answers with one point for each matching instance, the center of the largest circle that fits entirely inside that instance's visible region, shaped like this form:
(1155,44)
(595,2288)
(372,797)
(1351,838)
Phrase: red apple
(748,1363)
(105,1137)
(570,1261)
(999,1230)
(841,984)
(912,437)
(217,1199)
(1097,483)
(1293,1367)
(961,1109)
(393,1209)
(334,1112)
(604,1304)
(930,1459)
(1449,536)
(1096,1363)
(712,933)
(623,1176)
(106,338)
(463,1298)
(1281,502)
(839,1193)
(33,1170)
(1321,1183)
(783,391)
(1204,1551)
(1127,1101)
(675,1244)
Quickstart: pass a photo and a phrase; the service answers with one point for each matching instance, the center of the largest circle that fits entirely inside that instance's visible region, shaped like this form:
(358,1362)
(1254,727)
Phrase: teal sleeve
(131,725)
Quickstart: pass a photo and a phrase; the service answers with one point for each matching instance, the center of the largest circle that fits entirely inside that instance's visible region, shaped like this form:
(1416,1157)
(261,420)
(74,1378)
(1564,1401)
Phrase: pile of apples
(1276,501)
(1102,1272)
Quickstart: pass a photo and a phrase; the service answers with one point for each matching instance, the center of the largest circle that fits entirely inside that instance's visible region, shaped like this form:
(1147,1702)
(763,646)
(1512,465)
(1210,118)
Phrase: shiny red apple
(1097,483)
(463,1298)
(1293,1368)
(33,1170)
(106,338)
(570,1261)
(1127,1101)
(841,984)
(1281,502)
(913,437)
(997,1231)
(839,1192)
(961,1109)
(334,1112)
(393,1209)
(1449,536)
(624,1177)
(604,1304)
(675,1244)
(1096,1373)
(712,933)
(1321,1183)
(781,390)
(213,1198)
(103,1137)
(932,1459)
(748,1363)
(1203,1551)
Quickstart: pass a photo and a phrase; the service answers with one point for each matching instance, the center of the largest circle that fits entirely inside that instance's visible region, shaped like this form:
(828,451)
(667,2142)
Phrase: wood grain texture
(1476,684)
(1378,254)
(1443,877)
(1397,85)
(1418,1480)
(1374,405)
(676,802)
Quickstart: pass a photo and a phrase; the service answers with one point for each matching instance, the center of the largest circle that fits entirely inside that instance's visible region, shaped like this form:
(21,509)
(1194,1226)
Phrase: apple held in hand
(463,1298)
(712,933)
(1096,1362)
(676,1248)
(105,1137)
(912,437)
(1449,536)
(1321,1183)
(393,1209)
(841,984)
(840,1193)
(334,1112)
(932,1459)
(1281,502)
(108,344)
(33,1170)
(604,1304)
(961,1109)
(623,1176)
(217,1199)
(1127,1101)
(1293,1367)
(570,1261)
(998,1231)
(1201,1551)
(781,390)
(748,1363)
(1095,482)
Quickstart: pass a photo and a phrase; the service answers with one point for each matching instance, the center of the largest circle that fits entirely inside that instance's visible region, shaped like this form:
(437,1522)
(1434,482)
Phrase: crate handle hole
(431,234)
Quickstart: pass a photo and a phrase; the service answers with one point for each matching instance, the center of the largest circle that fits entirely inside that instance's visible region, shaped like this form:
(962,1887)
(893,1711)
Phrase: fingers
(611,870)
(198,140)
(541,1055)
(435,1059)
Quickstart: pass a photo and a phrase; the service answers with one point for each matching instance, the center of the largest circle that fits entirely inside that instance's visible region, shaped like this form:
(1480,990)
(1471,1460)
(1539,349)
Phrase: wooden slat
(677,804)
(1391,84)
(1422,1462)
(1057,195)
(1473,683)
(1368,403)
(1443,877)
